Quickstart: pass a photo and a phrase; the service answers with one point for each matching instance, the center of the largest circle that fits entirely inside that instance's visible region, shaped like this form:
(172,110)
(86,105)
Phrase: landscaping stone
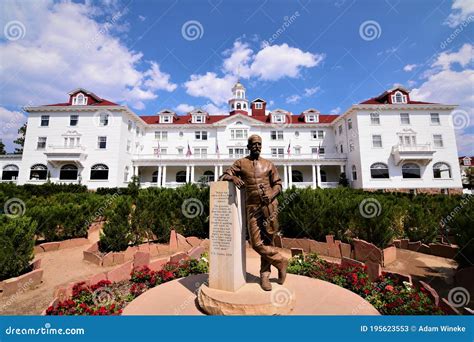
(157,265)
(205,243)
(141,259)
(317,247)
(374,270)
(94,247)
(431,292)
(144,247)
(196,252)
(448,308)
(351,262)
(108,259)
(389,255)
(329,239)
(345,249)
(38,249)
(177,257)
(120,273)
(445,251)
(22,283)
(92,257)
(424,249)
(397,243)
(50,246)
(193,241)
(36,264)
(333,250)
(130,252)
(183,245)
(296,252)
(119,258)
(297,243)
(414,246)
(365,251)
(97,277)
(404,243)
(173,245)
(73,243)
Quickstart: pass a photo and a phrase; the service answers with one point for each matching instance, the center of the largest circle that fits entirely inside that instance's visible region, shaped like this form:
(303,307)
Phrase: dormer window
(258,105)
(165,119)
(198,119)
(311,118)
(278,118)
(79,100)
(399,97)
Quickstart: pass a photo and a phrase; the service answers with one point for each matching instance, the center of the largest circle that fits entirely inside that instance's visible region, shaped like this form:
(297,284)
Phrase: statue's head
(254,145)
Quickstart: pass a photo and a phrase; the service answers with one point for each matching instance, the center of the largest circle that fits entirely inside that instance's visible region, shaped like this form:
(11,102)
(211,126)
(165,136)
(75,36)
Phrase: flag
(217,149)
(289,148)
(188,153)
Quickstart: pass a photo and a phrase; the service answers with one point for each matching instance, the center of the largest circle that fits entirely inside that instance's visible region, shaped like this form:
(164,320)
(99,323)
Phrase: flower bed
(107,298)
(388,294)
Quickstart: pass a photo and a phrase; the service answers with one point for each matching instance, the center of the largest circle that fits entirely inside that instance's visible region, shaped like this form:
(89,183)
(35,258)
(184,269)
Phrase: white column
(216,173)
(285,176)
(290,176)
(342,168)
(318,174)
(163,183)
(313,168)
(134,170)
(192,174)
(220,170)
(158,179)
(187,174)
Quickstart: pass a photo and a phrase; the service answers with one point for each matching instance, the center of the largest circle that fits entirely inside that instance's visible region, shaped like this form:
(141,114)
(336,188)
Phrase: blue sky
(182,54)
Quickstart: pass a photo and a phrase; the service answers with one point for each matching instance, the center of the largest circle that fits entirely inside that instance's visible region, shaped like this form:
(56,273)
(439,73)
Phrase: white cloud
(409,67)
(311,91)
(461,10)
(66,47)
(336,110)
(444,84)
(184,108)
(141,18)
(293,99)
(214,110)
(215,88)
(237,62)
(10,122)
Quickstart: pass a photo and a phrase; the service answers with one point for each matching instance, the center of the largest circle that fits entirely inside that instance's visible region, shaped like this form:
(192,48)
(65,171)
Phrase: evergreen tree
(2,147)
(20,140)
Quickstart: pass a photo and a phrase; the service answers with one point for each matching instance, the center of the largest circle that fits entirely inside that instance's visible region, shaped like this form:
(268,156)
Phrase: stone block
(50,246)
(196,252)
(120,273)
(144,247)
(177,257)
(397,243)
(130,252)
(141,259)
(36,264)
(157,265)
(22,283)
(431,292)
(173,245)
(71,243)
(333,250)
(345,249)
(389,255)
(297,243)
(93,248)
(92,257)
(296,251)
(320,248)
(183,244)
(365,251)
(205,243)
(448,308)
(329,239)
(119,258)
(424,249)
(193,241)
(374,270)
(154,251)
(97,277)
(351,262)
(404,243)
(445,251)
(38,249)
(414,246)
(108,259)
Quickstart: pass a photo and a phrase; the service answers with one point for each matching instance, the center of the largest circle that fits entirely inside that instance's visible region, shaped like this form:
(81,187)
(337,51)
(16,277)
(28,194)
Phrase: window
(340,129)
(297,134)
(10,172)
(435,119)
(102,142)
(103,119)
(411,170)
(44,120)
(161,135)
(238,133)
(376,140)
(237,152)
(165,119)
(407,139)
(258,105)
(39,172)
(374,118)
(311,118)
(99,172)
(297,150)
(73,120)
(317,135)
(68,172)
(404,118)
(72,142)
(379,170)
(349,124)
(296,176)
(278,118)
(200,135)
(41,144)
(130,125)
(276,135)
(160,151)
(200,152)
(438,140)
(208,176)
(180,150)
(323,176)
(181,177)
(239,106)
(278,152)
(342,150)
(198,119)
(79,100)
(181,134)
(154,177)
(398,97)
(354,173)
(441,171)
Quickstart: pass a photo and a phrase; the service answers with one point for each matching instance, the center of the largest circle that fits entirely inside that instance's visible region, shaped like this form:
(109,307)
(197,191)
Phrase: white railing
(412,148)
(308,156)
(65,149)
(302,185)
(327,185)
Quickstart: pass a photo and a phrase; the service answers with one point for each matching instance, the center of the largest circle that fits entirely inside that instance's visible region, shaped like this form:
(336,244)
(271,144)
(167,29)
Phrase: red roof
(386,97)
(375,100)
(102,102)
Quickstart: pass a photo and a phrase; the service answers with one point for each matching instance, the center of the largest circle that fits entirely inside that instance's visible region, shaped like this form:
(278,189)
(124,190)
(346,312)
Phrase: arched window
(239,106)
(441,171)
(181,177)
(38,172)
(323,176)
(244,106)
(99,171)
(411,170)
(354,173)
(379,170)
(296,176)
(398,97)
(154,177)
(10,172)
(68,172)
(209,176)
(233,106)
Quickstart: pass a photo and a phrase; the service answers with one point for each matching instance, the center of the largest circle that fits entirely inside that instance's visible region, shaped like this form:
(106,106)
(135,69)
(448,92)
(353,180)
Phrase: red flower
(389,288)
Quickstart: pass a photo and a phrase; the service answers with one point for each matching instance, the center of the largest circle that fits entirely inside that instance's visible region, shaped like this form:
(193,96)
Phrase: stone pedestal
(227,237)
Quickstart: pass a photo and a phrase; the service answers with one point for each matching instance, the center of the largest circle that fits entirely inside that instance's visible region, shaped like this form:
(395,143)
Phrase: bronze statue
(262,184)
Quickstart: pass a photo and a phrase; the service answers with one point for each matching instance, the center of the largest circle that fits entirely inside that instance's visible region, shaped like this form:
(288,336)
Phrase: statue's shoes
(282,272)
(265,283)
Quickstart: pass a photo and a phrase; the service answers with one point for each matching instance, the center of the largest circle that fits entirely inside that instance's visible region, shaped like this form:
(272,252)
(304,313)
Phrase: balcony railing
(222,156)
(65,149)
(412,148)
(421,153)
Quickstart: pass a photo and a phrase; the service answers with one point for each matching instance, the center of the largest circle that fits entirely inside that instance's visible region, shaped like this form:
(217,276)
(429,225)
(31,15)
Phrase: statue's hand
(269,198)
(239,183)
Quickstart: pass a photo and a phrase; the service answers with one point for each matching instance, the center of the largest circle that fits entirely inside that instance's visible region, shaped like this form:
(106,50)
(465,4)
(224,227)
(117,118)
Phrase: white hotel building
(389,142)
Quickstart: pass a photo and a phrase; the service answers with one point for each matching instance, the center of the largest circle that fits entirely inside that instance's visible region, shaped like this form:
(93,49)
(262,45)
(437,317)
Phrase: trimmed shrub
(16,245)
(117,233)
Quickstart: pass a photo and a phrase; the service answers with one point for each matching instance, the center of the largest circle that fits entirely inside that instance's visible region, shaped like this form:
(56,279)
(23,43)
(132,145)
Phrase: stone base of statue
(250,299)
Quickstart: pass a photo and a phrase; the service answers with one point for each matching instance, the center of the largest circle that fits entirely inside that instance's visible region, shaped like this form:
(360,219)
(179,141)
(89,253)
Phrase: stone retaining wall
(23,282)
(437,249)
(332,248)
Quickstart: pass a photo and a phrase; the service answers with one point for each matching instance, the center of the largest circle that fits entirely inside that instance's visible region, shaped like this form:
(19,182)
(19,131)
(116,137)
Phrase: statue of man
(262,184)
